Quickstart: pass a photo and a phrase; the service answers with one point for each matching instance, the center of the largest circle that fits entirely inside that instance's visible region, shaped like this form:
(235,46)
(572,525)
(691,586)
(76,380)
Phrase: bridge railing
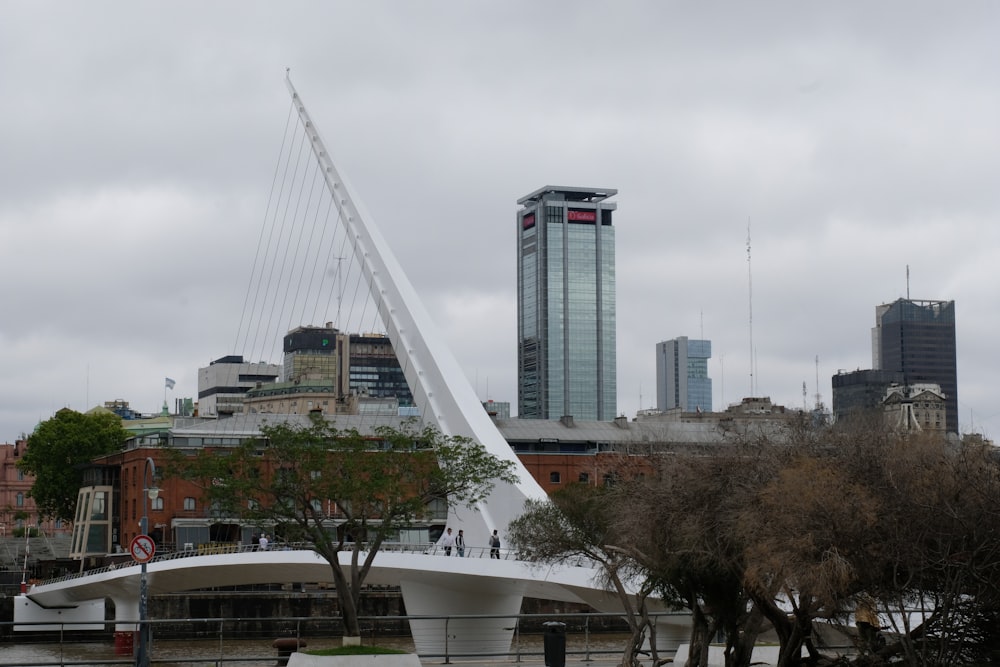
(589,638)
(225,549)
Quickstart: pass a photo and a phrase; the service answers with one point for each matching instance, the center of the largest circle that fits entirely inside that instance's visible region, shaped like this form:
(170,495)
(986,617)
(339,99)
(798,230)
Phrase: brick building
(17,507)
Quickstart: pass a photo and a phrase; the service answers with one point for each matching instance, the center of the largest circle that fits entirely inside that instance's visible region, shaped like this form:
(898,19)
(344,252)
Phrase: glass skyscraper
(566,304)
(917,339)
(682,375)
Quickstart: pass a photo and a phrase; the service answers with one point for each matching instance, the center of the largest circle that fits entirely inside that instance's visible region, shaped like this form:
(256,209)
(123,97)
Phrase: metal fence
(187,642)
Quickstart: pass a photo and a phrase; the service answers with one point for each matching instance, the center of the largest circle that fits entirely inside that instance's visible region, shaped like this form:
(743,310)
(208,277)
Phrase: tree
(680,521)
(938,550)
(58,450)
(909,519)
(378,485)
(580,521)
(803,533)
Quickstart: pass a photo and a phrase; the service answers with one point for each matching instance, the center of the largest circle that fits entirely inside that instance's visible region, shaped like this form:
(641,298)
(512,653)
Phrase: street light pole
(142,657)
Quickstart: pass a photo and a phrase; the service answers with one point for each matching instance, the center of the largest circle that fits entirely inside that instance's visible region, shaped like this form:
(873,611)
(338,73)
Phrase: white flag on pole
(170,383)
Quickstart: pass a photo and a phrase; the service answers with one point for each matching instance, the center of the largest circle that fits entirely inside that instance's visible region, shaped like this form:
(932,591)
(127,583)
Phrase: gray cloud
(138,143)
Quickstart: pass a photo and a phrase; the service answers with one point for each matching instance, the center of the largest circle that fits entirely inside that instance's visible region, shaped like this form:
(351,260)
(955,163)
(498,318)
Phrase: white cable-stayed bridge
(370,293)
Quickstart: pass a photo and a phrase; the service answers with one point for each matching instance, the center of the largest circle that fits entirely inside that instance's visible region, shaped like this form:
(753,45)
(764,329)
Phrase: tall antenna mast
(750,287)
(722,373)
(340,290)
(818,399)
(907,282)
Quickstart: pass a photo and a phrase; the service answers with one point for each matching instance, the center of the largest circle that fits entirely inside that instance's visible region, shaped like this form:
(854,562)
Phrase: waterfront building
(18,512)
(555,453)
(316,352)
(862,390)
(297,397)
(917,339)
(100,510)
(224,382)
(350,364)
(915,408)
(497,409)
(374,370)
(682,375)
(566,304)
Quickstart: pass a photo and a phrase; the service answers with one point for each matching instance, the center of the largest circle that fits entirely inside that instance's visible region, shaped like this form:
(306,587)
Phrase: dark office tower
(917,338)
(361,364)
(566,304)
(375,370)
(315,353)
(862,391)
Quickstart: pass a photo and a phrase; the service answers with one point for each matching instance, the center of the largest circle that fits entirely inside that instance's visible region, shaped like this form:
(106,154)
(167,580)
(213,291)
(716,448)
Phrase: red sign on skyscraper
(581,216)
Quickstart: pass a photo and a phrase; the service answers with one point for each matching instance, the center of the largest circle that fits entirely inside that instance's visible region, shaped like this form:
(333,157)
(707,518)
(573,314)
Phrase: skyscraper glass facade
(375,371)
(566,305)
(682,375)
(917,338)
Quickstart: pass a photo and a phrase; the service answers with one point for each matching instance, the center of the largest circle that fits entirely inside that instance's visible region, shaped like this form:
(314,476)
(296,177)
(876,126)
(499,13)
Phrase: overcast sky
(138,144)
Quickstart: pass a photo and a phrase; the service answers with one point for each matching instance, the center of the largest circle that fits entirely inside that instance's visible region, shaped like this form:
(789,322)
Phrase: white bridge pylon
(440,388)
(431,585)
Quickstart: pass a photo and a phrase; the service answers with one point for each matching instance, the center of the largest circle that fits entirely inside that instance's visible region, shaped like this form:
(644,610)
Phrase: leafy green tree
(377,485)
(57,452)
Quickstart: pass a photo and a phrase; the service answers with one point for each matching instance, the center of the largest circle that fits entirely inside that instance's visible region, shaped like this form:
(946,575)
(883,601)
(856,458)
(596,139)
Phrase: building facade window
(157,504)
(20,500)
(555,477)
(189,503)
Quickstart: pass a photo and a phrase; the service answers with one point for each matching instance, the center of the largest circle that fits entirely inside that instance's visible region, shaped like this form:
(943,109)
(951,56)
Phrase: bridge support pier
(466,636)
(671,632)
(126,630)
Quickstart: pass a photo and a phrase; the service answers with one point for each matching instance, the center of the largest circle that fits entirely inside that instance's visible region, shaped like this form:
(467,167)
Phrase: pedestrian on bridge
(460,544)
(495,545)
(263,542)
(448,541)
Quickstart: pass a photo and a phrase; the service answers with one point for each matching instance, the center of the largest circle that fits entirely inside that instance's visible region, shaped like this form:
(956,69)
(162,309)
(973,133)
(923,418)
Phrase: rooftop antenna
(818,398)
(701,325)
(803,395)
(907,282)
(750,294)
(722,379)
(340,290)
